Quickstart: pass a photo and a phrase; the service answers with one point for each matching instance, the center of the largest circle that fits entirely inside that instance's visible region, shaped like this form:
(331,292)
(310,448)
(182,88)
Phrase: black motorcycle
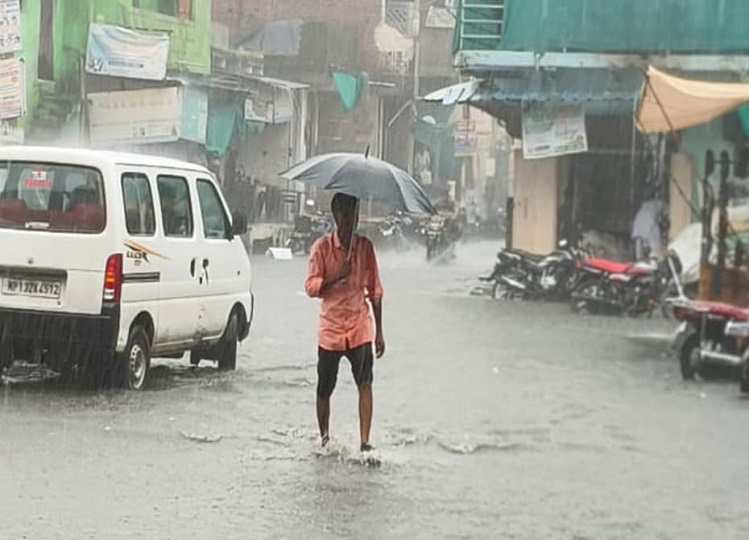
(519,274)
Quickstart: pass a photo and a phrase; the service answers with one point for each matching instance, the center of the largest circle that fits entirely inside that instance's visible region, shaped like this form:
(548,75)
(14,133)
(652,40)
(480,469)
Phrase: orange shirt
(345,319)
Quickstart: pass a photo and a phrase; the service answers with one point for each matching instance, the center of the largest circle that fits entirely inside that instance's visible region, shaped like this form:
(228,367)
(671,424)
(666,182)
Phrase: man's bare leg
(323,418)
(365,412)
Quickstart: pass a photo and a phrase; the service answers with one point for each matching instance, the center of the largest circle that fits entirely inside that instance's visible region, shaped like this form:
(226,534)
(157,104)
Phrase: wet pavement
(502,420)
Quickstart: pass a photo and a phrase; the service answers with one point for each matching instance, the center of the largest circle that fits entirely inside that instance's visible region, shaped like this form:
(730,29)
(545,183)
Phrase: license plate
(37,288)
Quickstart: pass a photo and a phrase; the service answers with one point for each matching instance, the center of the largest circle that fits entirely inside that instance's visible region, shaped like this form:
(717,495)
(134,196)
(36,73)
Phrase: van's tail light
(113,279)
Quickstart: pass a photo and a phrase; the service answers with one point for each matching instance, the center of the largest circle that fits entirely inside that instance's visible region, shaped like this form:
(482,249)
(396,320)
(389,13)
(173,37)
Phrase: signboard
(121,52)
(551,129)
(273,107)
(12,94)
(255,110)
(136,116)
(10,26)
(466,138)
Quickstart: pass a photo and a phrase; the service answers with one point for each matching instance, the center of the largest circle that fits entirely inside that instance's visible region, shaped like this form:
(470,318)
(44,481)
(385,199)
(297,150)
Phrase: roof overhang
(456,93)
(601,91)
(479,61)
(238,83)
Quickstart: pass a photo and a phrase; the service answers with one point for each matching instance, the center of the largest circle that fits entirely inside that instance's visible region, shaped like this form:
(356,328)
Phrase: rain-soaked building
(566,79)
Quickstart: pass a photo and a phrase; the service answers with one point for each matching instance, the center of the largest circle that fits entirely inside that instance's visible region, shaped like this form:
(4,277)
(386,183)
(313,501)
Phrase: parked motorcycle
(307,230)
(632,289)
(518,274)
(712,335)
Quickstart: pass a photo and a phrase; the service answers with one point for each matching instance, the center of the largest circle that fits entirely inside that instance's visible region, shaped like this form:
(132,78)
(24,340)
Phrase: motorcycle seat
(720,309)
(613,267)
(525,255)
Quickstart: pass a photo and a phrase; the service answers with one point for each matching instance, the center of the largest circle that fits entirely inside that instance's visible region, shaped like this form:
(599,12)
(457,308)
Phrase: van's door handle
(192,267)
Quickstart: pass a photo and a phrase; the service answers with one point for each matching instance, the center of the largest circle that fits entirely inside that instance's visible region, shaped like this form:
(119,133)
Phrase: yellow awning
(671,103)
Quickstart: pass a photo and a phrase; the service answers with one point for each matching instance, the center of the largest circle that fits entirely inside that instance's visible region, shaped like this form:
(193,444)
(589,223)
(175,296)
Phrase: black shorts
(361,359)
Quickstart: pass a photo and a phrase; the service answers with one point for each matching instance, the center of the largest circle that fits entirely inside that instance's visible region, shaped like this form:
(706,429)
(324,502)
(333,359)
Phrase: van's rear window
(51,197)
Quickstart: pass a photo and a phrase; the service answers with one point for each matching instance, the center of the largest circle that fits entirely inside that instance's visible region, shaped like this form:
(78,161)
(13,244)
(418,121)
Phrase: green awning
(222,120)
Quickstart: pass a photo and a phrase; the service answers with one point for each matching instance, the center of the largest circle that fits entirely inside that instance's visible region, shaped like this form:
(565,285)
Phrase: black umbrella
(364,177)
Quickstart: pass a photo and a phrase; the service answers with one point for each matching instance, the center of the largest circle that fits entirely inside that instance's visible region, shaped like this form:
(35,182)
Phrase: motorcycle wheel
(689,357)
(692,367)
(588,288)
(502,292)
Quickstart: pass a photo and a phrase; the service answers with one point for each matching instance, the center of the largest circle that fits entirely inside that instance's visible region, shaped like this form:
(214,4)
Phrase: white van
(110,259)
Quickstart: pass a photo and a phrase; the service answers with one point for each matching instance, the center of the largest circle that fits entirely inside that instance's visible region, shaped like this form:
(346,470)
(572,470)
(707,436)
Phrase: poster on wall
(12,94)
(121,52)
(147,116)
(10,26)
(553,129)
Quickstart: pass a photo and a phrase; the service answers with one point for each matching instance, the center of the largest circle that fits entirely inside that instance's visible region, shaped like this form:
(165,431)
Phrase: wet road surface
(502,420)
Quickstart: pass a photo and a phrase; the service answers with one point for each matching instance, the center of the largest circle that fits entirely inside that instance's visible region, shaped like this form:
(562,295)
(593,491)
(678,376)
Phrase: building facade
(537,59)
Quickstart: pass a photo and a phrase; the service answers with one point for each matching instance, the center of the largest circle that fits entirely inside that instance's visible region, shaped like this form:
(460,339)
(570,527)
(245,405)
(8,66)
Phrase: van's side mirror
(238,224)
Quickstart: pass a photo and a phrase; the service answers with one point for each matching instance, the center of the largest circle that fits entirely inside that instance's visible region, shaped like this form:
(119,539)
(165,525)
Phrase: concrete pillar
(536,196)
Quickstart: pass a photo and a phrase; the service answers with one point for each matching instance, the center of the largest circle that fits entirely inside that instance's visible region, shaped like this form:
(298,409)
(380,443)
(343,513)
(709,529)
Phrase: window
(51,197)
(176,211)
(215,221)
(174,8)
(46,60)
(139,214)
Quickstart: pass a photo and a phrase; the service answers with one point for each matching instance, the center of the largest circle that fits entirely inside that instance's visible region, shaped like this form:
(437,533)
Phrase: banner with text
(136,116)
(553,129)
(120,52)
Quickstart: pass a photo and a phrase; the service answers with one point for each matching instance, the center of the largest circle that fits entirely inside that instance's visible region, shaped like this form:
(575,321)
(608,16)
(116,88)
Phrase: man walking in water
(343,273)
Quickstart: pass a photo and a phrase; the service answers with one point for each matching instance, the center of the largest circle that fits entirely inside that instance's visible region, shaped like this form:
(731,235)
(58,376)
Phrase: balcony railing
(480,24)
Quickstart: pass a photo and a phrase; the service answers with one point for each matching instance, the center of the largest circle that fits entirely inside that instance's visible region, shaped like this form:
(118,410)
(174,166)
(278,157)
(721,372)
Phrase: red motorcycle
(712,335)
(605,286)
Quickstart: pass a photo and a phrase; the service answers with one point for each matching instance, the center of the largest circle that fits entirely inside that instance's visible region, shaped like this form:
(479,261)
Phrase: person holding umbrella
(343,273)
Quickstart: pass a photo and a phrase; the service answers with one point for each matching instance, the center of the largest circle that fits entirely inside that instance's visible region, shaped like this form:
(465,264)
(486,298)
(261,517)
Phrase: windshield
(51,197)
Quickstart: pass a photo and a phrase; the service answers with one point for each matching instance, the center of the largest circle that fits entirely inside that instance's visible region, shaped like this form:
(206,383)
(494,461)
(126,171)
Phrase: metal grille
(481,24)
(400,14)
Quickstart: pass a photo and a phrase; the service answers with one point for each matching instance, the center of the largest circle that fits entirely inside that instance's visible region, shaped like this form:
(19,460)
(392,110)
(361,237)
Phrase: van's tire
(133,365)
(227,348)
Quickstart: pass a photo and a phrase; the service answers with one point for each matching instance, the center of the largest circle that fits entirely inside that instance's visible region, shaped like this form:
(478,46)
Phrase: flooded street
(503,420)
